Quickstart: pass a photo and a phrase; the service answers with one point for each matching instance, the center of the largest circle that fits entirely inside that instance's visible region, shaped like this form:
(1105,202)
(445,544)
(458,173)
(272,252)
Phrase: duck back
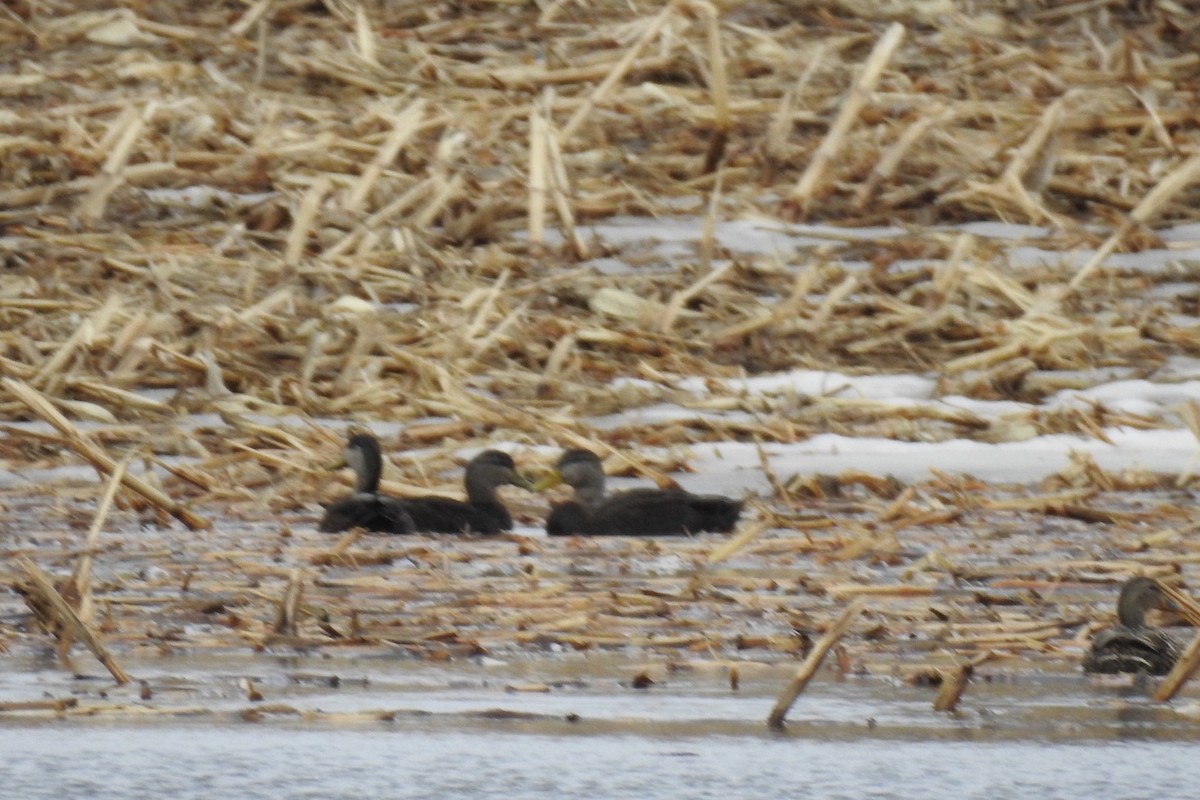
(1122,649)
(446,515)
(646,512)
(366,510)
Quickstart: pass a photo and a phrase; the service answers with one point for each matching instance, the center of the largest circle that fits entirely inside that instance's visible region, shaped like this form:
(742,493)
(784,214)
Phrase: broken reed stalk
(247,20)
(395,208)
(1027,156)
(289,607)
(560,186)
(1184,668)
(809,668)
(735,543)
(537,175)
(306,215)
(836,295)
(1176,181)
(404,128)
(58,705)
(719,88)
(887,165)
(87,330)
(260,54)
(1190,414)
(801,196)
(81,580)
(1160,130)
(1030,165)
(447,191)
(252,692)
(364,37)
(123,135)
(65,616)
(1183,602)
(684,296)
(618,72)
(94,455)
(708,236)
(954,683)
(337,553)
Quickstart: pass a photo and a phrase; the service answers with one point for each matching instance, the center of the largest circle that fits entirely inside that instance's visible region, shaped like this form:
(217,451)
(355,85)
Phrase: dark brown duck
(1132,646)
(482,512)
(366,508)
(636,512)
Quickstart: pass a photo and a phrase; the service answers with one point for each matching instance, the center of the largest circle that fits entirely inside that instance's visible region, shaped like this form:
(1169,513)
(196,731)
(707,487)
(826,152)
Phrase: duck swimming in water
(366,508)
(636,512)
(482,512)
(1131,646)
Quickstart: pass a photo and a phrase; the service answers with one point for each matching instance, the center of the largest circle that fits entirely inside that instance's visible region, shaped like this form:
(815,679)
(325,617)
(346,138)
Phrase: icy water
(56,761)
(460,731)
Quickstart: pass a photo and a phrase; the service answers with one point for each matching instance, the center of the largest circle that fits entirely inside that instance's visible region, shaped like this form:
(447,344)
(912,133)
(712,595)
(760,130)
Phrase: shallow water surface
(459,730)
(203,761)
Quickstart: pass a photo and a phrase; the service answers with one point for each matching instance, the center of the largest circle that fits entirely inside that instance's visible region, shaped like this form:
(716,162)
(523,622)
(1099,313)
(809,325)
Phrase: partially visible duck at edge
(483,512)
(1131,646)
(366,508)
(636,512)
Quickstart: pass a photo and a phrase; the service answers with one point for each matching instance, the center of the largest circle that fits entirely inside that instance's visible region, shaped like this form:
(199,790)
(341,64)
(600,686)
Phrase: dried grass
(228,210)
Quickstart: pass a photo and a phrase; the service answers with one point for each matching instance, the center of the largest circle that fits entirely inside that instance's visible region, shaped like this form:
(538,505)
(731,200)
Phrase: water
(1026,733)
(410,761)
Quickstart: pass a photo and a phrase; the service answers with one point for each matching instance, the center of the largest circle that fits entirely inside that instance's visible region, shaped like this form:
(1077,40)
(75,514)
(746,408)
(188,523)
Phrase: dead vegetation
(263,213)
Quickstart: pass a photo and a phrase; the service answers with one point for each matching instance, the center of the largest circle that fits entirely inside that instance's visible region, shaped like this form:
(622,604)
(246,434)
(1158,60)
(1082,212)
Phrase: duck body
(1132,646)
(374,512)
(649,512)
(637,512)
(447,515)
(1120,649)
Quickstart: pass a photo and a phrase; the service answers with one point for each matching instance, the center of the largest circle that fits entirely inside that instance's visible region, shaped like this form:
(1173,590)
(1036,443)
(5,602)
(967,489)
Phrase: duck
(483,512)
(366,508)
(635,512)
(1132,646)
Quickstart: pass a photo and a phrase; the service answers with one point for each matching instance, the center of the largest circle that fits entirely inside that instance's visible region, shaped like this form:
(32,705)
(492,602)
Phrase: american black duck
(636,512)
(366,508)
(482,512)
(1131,646)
